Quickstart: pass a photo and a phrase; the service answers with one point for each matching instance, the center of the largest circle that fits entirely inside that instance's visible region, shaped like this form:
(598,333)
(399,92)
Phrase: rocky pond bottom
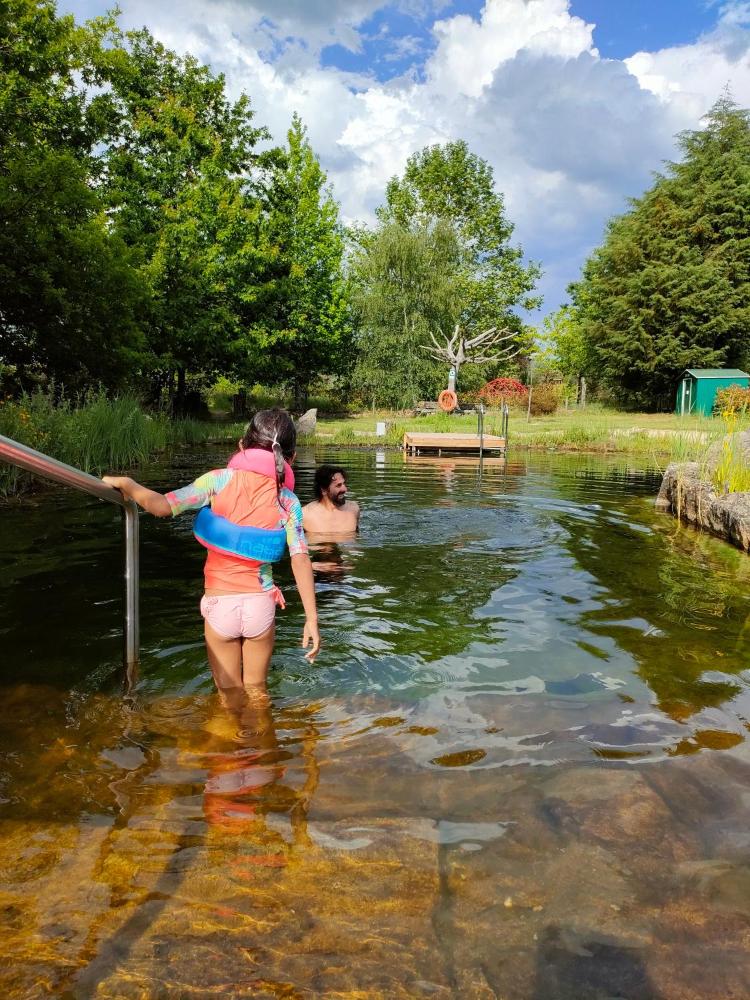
(520,769)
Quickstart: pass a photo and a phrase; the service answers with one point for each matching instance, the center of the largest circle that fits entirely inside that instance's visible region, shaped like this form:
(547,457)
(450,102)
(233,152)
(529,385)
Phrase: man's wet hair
(324,477)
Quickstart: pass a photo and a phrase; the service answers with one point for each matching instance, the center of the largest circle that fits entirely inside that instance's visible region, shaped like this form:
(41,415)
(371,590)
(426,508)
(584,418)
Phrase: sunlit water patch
(519,767)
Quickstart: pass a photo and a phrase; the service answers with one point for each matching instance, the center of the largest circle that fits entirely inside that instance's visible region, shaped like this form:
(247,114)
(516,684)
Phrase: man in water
(330,513)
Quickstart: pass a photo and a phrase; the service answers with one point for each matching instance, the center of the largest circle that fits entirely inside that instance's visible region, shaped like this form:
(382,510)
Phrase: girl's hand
(118,482)
(311,636)
(150,500)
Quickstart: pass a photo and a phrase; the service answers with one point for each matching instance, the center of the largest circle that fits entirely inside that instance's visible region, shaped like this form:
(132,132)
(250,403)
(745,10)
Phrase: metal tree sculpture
(458,349)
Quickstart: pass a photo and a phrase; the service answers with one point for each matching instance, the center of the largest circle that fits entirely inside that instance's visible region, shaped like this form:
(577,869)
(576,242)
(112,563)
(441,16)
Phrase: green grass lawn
(593,429)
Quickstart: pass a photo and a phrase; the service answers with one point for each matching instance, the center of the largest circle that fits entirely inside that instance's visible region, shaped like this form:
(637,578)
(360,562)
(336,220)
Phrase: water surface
(518,769)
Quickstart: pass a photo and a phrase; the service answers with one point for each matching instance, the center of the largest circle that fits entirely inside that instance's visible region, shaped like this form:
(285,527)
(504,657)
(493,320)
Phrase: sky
(574,103)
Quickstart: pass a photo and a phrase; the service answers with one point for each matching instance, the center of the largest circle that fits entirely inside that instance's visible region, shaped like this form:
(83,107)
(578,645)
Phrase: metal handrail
(42,465)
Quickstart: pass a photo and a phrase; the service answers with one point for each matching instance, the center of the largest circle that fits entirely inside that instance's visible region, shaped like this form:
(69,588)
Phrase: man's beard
(339,500)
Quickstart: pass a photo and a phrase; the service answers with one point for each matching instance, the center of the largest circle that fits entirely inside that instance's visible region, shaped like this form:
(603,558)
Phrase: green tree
(405,284)
(455,185)
(307,330)
(669,288)
(569,352)
(185,186)
(69,298)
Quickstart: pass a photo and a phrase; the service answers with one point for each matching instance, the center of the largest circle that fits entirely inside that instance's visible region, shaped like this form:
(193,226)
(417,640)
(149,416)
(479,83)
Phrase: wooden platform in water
(415,442)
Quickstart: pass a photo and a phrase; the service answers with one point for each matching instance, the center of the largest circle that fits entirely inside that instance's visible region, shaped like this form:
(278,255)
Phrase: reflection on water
(518,769)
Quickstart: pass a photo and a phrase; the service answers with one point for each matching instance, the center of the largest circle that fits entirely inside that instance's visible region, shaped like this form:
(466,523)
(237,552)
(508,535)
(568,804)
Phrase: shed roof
(716,373)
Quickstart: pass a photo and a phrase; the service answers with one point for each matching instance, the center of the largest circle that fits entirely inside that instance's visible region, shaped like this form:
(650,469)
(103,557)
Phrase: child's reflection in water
(245,784)
(238,776)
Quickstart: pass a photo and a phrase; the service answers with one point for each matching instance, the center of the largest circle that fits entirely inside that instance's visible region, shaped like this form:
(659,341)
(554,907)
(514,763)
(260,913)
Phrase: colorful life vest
(219,534)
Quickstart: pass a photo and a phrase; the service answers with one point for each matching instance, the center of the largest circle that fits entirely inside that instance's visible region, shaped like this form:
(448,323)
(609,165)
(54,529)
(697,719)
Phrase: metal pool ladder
(42,465)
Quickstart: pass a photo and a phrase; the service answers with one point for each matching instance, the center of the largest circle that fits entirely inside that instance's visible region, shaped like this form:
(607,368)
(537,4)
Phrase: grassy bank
(663,436)
(100,434)
(96,434)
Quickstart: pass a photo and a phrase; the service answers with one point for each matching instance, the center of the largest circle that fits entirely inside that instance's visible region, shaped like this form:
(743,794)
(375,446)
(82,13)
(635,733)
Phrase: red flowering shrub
(499,390)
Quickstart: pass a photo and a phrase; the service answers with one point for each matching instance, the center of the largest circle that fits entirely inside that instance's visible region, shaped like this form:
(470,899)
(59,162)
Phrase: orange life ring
(448,400)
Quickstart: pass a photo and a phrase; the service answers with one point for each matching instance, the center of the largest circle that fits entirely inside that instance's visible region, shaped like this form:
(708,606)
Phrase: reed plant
(95,433)
(732,474)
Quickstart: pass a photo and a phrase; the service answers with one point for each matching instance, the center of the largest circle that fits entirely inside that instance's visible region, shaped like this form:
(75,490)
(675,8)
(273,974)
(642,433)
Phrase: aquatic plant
(95,433)
(732,474)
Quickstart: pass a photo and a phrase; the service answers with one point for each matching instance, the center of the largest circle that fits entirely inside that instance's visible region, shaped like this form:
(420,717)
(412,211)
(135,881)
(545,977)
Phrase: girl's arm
(303,575)
(155,503)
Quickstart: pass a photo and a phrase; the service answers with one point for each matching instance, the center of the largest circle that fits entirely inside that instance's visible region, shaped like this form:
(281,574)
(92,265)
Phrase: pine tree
(669,288)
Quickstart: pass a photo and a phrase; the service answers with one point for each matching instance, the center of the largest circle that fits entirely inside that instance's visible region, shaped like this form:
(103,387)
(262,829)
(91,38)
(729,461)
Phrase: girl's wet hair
(272,430)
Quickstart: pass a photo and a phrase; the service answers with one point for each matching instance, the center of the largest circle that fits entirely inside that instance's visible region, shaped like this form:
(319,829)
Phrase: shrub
(733,399)
(219,395)
(545,398)
(503,390)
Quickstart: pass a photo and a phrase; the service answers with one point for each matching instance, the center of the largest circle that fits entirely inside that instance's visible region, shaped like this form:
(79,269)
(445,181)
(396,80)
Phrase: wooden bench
(425,407)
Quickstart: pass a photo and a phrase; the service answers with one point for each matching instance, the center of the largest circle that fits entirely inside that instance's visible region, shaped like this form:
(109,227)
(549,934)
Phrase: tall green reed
(95,433)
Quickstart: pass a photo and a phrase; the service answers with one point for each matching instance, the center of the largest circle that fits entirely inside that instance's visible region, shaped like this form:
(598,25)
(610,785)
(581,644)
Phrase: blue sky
(622,27)
(625,26)
(574,103)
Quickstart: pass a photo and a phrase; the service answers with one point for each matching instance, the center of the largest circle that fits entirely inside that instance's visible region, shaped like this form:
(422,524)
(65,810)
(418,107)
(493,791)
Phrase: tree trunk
(178,406)
(299,390)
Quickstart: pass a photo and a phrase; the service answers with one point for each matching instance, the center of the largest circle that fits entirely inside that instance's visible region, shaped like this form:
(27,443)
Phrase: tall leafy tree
(670,286)
(567,347)
(405,284)
(307,327)
(184,181)
(69,297)
(452,184)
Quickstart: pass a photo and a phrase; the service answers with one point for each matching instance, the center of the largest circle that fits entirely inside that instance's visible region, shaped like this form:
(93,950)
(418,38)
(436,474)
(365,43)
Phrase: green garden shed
(698,387)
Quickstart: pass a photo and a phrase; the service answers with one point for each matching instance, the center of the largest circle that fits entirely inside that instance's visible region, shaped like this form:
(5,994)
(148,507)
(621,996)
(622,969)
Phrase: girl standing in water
(248,515)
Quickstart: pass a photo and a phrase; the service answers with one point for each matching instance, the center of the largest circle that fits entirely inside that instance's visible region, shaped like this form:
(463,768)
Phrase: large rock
(307,422)
(688,492)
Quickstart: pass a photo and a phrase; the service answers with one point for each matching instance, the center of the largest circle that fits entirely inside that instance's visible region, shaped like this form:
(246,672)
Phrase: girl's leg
(256,659)
(224,658)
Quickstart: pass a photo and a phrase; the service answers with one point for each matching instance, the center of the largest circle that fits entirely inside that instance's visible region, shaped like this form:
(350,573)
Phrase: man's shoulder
(351,506)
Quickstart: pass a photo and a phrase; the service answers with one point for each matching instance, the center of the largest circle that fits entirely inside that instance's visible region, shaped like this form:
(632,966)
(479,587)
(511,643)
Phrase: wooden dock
(416,443)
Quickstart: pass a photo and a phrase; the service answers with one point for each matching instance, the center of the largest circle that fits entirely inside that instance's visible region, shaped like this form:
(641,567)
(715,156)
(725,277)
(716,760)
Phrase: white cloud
(691,77)
(469,52)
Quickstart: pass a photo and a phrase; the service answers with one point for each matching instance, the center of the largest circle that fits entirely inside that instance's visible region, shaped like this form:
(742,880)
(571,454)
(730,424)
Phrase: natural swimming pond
(518,769)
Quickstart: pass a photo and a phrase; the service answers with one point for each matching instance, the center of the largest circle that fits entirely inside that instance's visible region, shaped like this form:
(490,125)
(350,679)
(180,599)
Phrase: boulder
(307,422)
(688,492)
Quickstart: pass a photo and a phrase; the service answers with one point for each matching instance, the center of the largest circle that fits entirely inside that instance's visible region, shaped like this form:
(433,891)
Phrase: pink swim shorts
(236,616)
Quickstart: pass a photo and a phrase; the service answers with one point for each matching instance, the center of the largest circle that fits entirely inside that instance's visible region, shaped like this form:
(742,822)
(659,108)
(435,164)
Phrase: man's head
(330,482)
